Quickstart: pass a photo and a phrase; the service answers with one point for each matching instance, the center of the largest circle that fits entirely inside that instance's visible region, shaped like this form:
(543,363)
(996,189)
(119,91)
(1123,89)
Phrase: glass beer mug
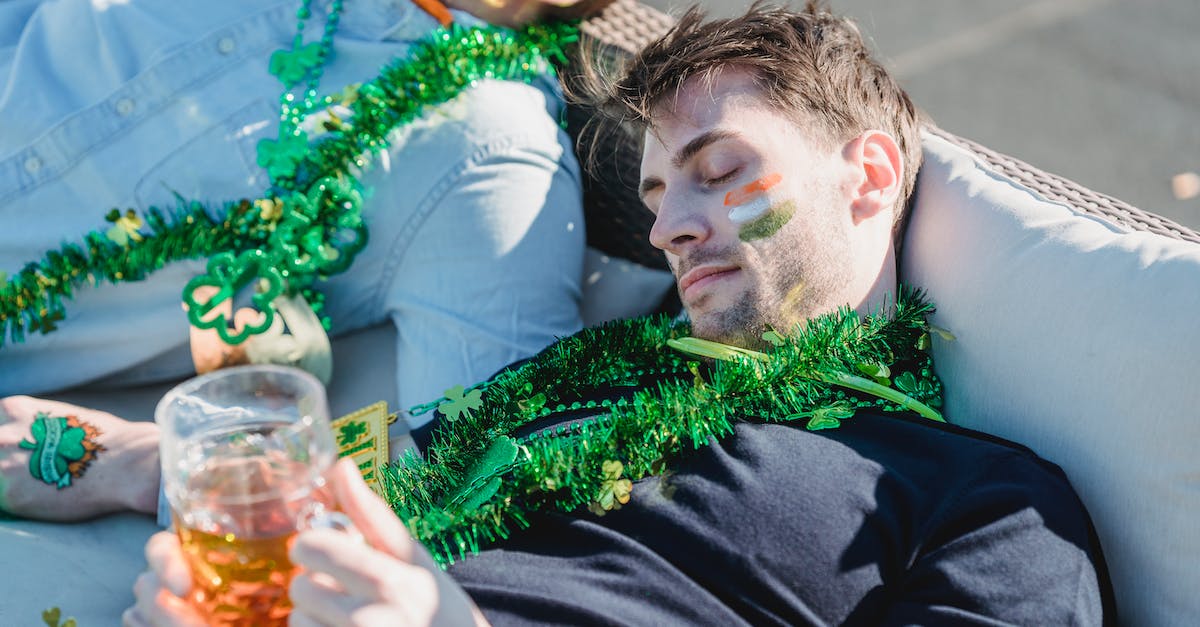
(244,455)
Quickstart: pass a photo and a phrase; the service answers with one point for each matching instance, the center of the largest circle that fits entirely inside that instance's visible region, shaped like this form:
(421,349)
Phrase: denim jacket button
(226,45)
(124,106)
(33,165)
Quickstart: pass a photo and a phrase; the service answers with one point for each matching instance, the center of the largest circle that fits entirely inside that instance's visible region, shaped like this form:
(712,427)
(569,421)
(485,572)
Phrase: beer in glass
(244,455)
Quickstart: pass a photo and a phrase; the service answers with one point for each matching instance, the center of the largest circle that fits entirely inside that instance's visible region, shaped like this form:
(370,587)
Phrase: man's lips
(703,275)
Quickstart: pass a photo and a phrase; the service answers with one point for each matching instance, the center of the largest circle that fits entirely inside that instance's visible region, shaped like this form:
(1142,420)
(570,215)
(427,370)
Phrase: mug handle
(317,516)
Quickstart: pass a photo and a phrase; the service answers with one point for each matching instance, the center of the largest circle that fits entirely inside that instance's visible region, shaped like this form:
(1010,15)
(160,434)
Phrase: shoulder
(968,451)
(976,467)
(957,481)
(1002,530)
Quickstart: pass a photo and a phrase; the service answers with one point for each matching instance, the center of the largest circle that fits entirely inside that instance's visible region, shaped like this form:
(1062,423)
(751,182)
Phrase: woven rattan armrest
(1056,188)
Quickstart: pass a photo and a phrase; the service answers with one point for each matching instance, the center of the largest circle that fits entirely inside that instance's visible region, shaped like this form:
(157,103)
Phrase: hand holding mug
(387,580)
(245,452)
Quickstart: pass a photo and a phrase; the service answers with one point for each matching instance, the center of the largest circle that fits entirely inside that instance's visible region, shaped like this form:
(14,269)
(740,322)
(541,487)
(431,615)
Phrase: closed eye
(724,178)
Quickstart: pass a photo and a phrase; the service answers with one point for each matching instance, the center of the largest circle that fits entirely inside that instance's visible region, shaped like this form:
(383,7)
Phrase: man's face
(753,215)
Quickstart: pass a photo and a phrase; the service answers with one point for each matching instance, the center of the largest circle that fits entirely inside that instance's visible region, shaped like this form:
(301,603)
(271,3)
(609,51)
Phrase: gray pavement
(1103,92)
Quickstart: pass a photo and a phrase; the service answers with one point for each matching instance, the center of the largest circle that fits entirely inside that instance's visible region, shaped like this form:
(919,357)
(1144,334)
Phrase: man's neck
(880,296)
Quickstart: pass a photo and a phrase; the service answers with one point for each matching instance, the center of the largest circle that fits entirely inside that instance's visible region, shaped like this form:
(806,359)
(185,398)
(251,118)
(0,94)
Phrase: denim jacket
(476,231)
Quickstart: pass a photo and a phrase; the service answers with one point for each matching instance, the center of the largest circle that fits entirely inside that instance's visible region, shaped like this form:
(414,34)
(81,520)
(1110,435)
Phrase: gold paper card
(363,435)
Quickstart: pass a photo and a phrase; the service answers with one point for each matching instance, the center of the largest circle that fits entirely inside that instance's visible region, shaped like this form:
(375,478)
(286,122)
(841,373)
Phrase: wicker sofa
(1071,312)
(1073,315)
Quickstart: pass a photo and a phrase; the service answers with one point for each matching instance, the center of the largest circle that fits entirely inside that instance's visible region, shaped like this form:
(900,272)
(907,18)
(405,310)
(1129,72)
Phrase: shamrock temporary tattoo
(63,447)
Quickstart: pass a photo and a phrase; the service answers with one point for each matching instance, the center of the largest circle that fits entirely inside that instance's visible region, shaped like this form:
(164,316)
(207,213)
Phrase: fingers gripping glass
(245,454)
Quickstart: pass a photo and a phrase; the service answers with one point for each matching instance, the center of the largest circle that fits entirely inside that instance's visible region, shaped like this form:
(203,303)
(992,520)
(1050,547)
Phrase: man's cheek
(673,264)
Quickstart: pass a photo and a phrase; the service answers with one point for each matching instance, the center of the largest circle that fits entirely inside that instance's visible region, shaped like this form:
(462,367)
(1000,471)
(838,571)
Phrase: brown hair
(812,65)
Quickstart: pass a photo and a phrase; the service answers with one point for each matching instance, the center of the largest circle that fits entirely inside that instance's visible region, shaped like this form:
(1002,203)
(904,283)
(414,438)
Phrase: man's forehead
(701,99)
(725,105)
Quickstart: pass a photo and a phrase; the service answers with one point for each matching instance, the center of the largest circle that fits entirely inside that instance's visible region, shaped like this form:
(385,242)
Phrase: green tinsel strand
(575,462)
(437,71)
(655,427)
(31,300)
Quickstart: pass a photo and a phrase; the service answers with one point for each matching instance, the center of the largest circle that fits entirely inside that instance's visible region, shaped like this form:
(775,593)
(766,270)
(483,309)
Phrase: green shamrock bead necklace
(637,398)
(308,225)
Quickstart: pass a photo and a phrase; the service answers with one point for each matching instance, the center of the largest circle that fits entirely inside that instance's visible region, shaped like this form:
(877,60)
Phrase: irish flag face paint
(754,213)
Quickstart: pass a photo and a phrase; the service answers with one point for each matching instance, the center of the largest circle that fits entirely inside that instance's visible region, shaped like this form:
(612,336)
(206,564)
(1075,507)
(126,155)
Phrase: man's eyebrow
(649,183)
(685,154)
(702,141)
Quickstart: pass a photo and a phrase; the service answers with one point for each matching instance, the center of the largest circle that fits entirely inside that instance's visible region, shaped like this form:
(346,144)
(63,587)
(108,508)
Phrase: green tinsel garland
(435,71)
(478,483)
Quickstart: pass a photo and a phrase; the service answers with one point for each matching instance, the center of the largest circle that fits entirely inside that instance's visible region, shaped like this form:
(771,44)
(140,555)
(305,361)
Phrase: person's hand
(160,591)
(514,13)
(388,580)
(96,463)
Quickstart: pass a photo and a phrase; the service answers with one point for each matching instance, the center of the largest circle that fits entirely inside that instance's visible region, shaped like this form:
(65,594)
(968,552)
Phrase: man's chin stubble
(739,326)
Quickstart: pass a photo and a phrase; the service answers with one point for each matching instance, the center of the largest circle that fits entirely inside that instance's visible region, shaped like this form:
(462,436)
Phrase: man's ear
(880,167)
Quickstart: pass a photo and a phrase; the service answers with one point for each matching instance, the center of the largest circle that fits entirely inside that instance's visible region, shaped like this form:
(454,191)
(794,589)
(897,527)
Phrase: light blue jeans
(476,230)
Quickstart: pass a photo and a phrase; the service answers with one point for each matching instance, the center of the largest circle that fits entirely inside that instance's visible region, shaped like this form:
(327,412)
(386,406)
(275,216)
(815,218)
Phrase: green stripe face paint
(768,223)
(63,447)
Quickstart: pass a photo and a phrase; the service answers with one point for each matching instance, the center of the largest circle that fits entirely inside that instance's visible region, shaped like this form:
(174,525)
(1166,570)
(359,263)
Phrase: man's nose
(678,225)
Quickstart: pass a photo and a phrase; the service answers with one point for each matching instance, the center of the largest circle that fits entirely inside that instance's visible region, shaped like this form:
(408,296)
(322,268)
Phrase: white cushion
(615,288)
(364,362)
(1078,339)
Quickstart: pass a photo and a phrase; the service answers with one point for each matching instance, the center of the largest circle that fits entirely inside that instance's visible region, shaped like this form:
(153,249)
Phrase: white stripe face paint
(750,210)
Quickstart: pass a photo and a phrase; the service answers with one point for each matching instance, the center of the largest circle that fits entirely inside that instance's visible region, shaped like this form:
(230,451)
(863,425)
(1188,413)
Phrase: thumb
(374,519)
(165,557)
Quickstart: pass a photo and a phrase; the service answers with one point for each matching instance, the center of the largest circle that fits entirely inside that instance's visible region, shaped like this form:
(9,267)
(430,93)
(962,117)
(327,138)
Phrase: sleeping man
(777,461)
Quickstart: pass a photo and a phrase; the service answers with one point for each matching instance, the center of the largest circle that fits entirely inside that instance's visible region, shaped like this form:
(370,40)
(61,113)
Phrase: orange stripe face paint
(753,212)
(751,190)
